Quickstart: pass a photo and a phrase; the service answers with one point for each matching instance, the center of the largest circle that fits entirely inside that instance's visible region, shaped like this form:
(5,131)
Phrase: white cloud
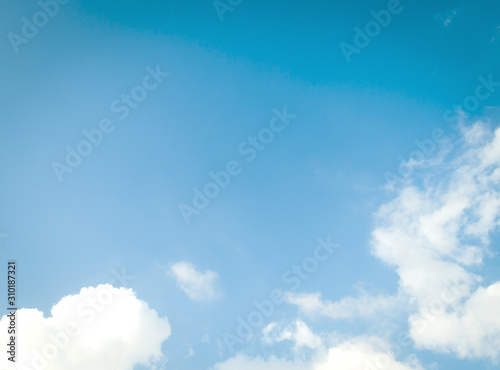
(199,286)
(115,330)
(297,332)
(366,353)
(189,350)
(472,331)
(436,236)
(365,305)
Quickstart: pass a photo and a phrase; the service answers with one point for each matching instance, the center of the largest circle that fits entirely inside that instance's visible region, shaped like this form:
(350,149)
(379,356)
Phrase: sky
(248,185)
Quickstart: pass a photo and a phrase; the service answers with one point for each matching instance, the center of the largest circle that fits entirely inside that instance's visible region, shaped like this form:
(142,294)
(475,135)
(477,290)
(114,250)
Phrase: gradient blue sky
(323,175)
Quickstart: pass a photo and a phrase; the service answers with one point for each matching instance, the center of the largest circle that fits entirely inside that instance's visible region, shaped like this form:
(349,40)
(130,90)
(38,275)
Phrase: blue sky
(325,175)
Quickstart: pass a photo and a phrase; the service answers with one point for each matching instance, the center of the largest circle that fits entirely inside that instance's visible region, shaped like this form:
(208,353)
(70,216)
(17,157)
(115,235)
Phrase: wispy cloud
(446,18)
(297,332)
(199,286)
(496,34)
(365,305)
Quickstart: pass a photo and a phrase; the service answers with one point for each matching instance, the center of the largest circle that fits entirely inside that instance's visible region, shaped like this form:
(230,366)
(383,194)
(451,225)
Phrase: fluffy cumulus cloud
(436,233)
(473,330)
(199,286)
(366,353)
(100,328)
